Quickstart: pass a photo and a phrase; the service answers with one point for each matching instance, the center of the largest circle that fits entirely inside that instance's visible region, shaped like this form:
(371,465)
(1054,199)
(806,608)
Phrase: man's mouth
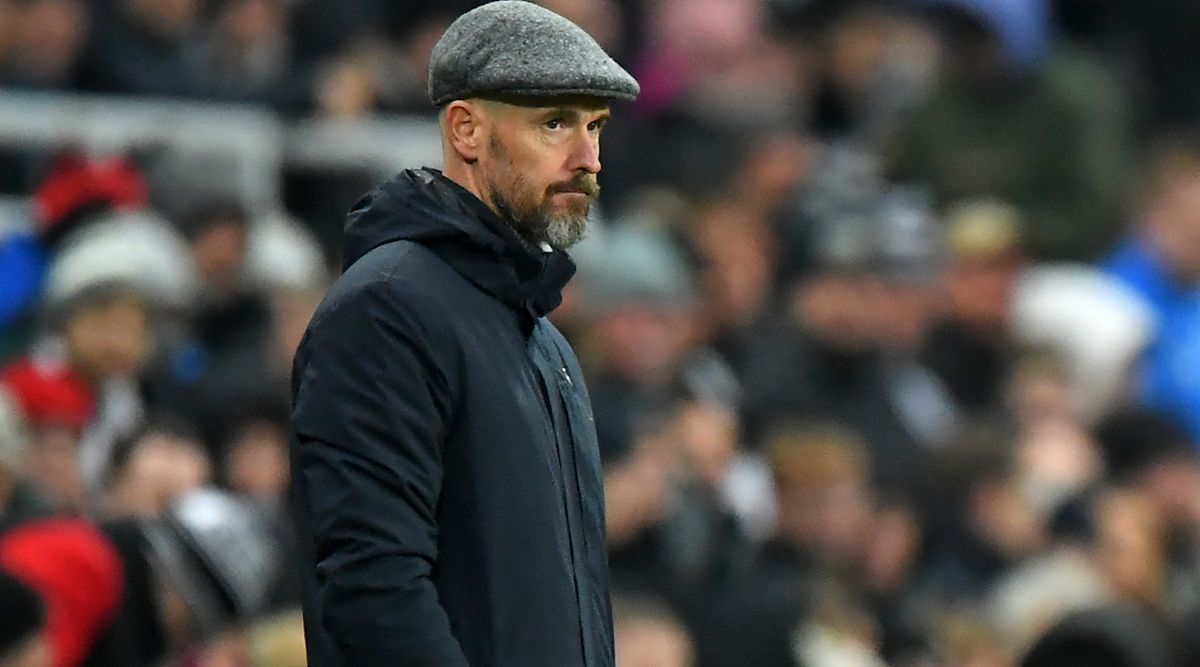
(587,190)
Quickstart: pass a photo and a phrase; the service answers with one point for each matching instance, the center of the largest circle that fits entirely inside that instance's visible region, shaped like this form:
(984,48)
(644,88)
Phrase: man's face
(161,468)
(902,312)
(539,165)
(54,468)
(1174,221)
(166,18)
(643,643)
(835,308)
(109,340)
(980,290)
(829,517)
(32,653)
(219,253)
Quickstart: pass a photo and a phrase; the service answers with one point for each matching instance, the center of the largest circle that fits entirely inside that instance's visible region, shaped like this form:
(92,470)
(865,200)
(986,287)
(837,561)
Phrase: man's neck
(464,176)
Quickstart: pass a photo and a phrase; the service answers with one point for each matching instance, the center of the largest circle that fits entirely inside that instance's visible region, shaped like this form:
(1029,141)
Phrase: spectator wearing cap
(448,484)
(1101,326)
(104,260)
(114,264)
(57,404)
(637,293)
(820,358)
(78,387)
(818,346)
(971,348)
(908,261)
(74,193)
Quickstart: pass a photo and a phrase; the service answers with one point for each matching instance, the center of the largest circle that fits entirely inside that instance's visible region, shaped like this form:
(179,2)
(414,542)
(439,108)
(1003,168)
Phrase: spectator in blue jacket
(1160,260)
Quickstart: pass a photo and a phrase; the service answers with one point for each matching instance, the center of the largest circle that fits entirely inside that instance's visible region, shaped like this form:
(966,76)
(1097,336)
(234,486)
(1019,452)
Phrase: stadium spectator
(1160,261)
(971,348)
(151,469)
(50,36)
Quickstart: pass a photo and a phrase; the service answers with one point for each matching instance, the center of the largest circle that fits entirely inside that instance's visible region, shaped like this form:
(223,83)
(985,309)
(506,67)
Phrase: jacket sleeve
(372,403)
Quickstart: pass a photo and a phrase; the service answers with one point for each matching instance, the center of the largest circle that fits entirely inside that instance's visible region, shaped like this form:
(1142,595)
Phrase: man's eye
(554,123)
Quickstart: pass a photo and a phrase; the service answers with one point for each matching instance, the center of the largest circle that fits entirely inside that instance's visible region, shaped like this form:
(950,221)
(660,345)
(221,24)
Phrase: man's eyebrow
(574,114)
(565,112)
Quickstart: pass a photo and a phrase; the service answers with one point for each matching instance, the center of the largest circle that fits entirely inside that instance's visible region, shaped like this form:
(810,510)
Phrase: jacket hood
(425,207)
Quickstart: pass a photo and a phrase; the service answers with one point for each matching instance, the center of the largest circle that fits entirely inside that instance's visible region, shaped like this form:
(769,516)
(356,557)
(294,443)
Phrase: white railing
(14,214)
(238,149)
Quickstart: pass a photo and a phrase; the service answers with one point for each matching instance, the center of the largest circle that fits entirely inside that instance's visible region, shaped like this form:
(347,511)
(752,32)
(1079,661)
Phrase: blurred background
(890,313)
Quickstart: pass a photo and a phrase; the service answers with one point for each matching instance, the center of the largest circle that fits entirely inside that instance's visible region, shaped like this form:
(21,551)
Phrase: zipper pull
(566,375)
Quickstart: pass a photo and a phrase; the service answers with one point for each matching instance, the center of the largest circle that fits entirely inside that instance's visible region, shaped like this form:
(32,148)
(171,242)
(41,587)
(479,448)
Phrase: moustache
(584,186)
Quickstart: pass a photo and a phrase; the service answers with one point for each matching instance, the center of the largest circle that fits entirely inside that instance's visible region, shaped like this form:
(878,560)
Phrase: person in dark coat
(447,478)
(23,636)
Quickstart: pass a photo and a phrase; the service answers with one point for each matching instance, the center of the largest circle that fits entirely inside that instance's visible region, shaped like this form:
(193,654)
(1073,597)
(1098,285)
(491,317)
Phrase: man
(1160,261)
(445,461)
(971,349)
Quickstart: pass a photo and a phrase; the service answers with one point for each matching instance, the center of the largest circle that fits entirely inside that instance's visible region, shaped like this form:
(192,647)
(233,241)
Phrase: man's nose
(586,156)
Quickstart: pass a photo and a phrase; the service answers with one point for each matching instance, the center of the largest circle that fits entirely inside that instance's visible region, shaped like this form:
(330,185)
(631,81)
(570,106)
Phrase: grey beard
(537,229)
(562,233)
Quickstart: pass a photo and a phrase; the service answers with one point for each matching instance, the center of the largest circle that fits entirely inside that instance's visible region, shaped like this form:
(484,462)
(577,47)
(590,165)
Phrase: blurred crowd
(890,313)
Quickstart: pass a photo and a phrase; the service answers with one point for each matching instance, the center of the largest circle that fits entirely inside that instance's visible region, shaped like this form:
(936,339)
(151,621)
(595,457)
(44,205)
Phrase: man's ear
(465,124)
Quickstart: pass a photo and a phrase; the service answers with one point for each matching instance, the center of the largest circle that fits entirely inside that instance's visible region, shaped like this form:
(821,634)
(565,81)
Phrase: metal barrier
(14,214)
(238,149)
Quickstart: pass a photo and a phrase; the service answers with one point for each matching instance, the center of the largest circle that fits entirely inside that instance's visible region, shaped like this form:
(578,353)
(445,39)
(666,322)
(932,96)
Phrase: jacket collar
(424,206)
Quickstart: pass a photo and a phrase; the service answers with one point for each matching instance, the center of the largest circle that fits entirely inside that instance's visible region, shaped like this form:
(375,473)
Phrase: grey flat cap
(513,47)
